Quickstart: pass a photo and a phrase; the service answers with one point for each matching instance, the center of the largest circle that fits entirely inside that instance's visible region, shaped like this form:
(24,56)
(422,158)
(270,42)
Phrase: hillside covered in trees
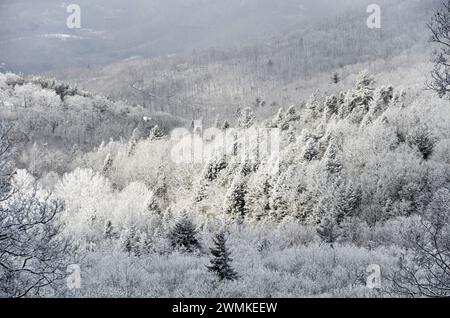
(152,178)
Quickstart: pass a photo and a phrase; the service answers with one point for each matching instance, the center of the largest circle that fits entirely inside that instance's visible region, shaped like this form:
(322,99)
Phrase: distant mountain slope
(112,31)
(273,73)
(62,120)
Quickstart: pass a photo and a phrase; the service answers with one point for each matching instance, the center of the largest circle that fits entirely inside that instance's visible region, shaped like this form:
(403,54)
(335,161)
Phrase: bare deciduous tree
(425,269)
(33,254)
(440,29)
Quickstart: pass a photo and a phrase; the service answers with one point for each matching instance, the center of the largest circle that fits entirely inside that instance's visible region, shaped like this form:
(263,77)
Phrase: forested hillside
(272,73)
(293,167)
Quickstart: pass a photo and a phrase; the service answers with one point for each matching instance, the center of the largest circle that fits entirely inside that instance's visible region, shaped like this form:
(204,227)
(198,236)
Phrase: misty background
(34,37)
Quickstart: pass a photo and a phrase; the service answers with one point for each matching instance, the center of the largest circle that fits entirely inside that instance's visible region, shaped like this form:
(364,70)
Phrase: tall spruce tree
(221,261)
(184,235)
(235,204)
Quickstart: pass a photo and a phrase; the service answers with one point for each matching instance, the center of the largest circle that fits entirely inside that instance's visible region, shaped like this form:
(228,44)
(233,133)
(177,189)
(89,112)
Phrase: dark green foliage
(184,235)
(221,261)
(235,200)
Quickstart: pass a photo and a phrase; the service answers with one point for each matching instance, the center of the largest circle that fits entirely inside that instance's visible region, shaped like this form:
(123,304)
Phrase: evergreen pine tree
(333,164)
(291,114)
(312,108)
(258,197)
(278,120)
(153,205)
(279,205)
(220,261)
(336,79)
(235,199)
(331,106)
(246,118)
(132,143)
(167,220)
(128,239)
(109,230)
(201,192)
(328,230)
(156,133)
(107,163)
(225,125)
(184,234)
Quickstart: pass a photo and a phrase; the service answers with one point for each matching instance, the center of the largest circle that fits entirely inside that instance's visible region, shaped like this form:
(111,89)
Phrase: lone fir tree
(335,78)
(184,234)
(110,231)
(220,262)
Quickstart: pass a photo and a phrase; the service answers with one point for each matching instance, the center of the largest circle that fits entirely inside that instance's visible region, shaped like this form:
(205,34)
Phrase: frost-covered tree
(421,139)
(333,163)
(132,143)
(331,107)
(215,165)
(279,197)
(278,120)
(225,125)
(313,108)
(357,101)
(183,235)
(291,114)
(110,232)
(33,252)
(107,164)
(424,270)
(201,191)
(310,149)
(382,99)
(234,203)
(156,133)
(246,118)
(258,196)
(335,78)
(153,205)
(440,34)
(328,230)
(220,260)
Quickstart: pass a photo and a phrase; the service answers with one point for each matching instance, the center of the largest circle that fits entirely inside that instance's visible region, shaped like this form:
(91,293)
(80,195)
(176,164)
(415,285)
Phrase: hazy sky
(34,35)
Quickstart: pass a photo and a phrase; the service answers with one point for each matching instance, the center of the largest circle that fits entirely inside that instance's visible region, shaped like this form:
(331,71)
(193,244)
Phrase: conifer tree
(336,79)
(130,240)
(278,120)
(331,106)
(156,133)
(312,108)
(333,164)
(235,199)
(258,197)
(132,143)
(153,205)
(107,163)
(184,234)
(246,118)
(201,192)
(221,261)
(279,206)
(328,230)
(109,230)
(225,125)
